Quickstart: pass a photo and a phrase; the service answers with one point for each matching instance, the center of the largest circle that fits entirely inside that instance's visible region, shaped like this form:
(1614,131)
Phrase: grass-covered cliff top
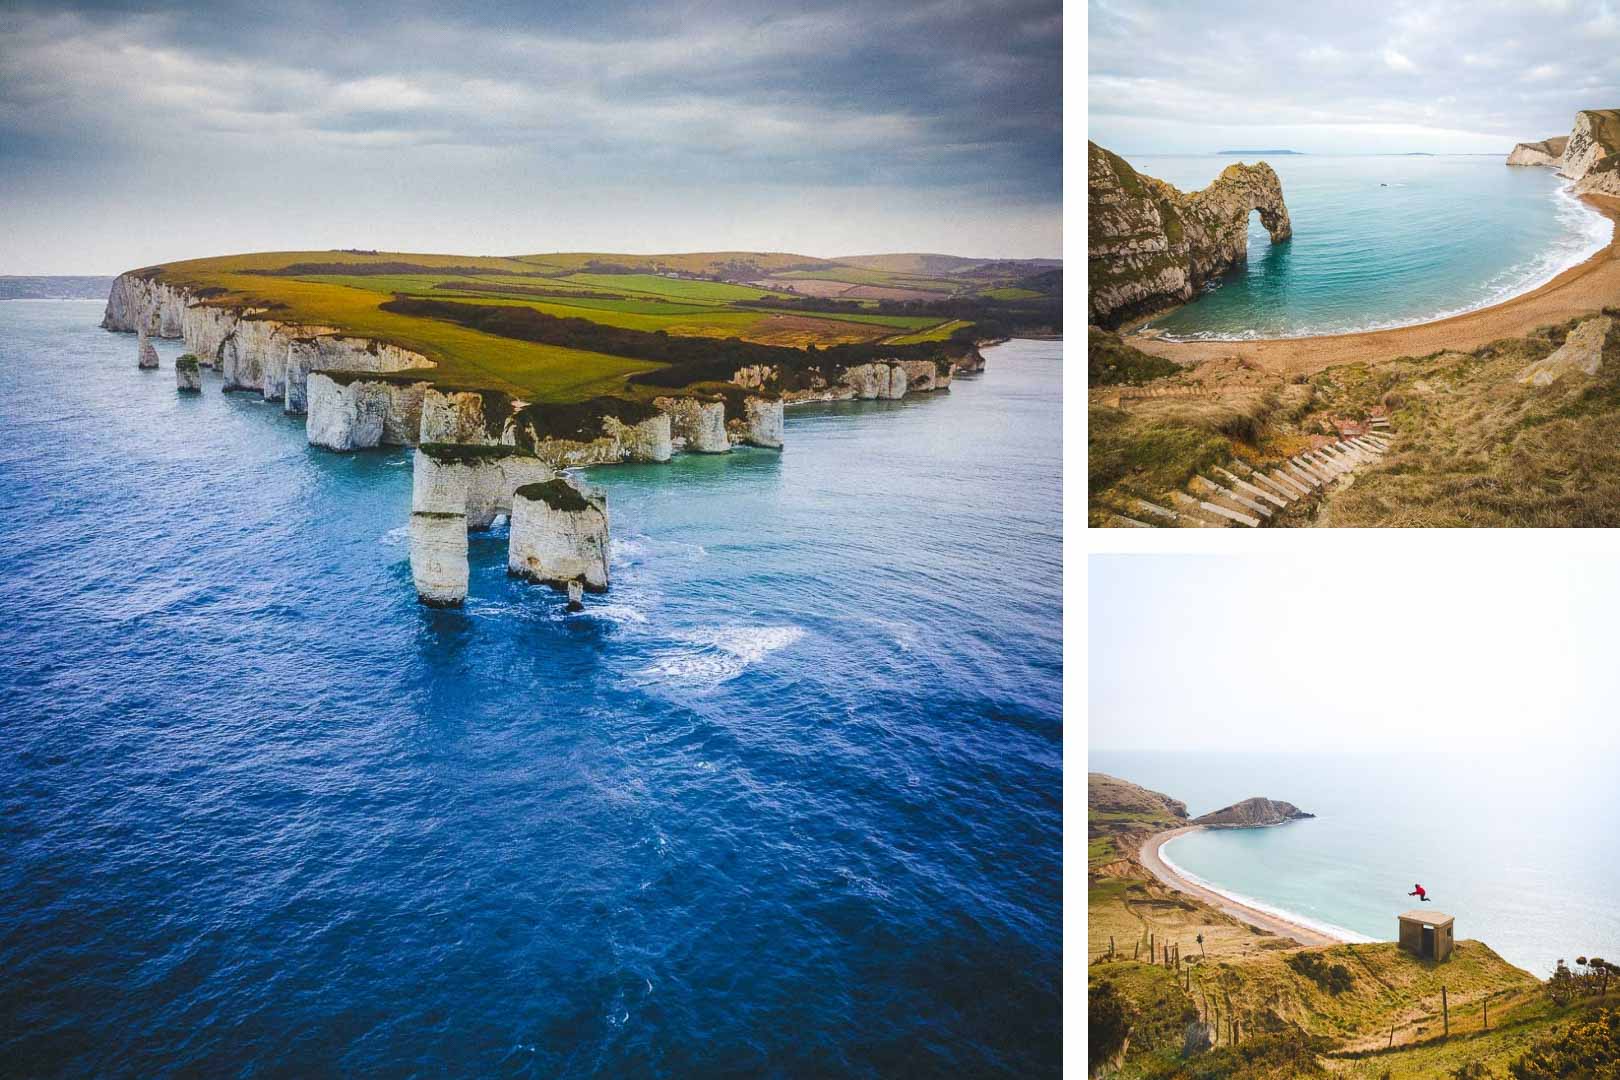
(1364,1010)
(570,326)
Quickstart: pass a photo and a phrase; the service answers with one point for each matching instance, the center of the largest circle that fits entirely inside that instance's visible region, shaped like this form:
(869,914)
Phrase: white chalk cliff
(1589,155)
(559,536)
(439,557)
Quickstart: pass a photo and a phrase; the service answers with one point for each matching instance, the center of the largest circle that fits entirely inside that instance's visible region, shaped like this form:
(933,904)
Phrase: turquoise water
(1519,849)
(785,802)
(1386,241)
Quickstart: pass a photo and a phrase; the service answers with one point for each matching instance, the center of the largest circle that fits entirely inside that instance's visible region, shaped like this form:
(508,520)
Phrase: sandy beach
(1156,866)
(1578,290)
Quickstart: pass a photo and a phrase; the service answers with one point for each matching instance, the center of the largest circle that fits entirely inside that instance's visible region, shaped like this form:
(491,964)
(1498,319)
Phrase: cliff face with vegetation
(1589,155)
(1153,246)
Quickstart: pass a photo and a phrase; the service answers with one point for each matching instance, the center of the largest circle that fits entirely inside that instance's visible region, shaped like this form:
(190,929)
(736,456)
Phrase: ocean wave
(711,657)
(1584,233)
(1319,925)
(639,548)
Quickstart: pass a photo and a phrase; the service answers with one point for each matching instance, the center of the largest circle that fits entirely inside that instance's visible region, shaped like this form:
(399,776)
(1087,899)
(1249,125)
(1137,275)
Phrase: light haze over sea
(1383,241)
(1519,847)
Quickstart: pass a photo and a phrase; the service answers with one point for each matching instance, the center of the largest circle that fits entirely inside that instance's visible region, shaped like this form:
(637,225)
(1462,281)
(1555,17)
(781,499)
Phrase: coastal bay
(1576,291)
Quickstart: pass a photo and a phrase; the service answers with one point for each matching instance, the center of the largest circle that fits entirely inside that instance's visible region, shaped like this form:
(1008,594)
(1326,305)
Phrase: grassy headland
(1364,1010)
(791,302)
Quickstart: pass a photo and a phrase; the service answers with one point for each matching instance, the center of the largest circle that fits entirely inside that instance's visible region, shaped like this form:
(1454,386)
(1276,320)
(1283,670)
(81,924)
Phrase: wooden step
(1120,521)
(1192,511)
(1155,510)
(1287,483)
(1254,489)
(1209,489)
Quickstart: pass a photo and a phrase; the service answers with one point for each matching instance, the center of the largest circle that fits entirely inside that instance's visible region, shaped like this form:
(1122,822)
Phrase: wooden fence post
(1152,957)
(1445,1013)
(1487,1014)
(1110,946)
(1136,952)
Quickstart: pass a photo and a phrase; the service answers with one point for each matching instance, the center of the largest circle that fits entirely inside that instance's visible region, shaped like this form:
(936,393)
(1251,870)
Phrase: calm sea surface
(1520,849)
(785,802)
(1386,241)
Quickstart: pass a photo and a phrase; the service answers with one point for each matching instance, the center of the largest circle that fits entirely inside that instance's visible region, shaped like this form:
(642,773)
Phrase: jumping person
(1420,892)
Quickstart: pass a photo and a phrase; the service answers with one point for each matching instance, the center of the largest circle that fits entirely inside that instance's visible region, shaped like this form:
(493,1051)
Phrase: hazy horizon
(134,136)
(1287,654)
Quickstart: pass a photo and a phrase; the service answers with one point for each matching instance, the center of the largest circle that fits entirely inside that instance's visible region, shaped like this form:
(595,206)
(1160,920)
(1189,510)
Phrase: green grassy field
(346,290)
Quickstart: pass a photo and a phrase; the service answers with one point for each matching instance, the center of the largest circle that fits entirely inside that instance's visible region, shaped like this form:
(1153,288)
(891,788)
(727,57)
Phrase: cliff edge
(1251,813)
(1589,155)
(1547,152)
(1153,246)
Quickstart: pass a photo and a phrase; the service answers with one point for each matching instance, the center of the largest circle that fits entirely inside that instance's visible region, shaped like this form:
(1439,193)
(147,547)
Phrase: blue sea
(1518,848)
(1385,241)
(784,802)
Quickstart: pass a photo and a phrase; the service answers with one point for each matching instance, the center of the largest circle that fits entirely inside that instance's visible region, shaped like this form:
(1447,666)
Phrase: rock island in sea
(505,372)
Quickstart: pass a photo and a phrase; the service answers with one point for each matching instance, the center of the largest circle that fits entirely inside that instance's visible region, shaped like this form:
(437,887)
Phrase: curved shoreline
(1581,289)
(1167,875)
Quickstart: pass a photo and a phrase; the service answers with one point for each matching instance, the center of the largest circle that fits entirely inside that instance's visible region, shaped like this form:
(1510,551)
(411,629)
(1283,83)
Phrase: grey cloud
(945,98)
(1183,76)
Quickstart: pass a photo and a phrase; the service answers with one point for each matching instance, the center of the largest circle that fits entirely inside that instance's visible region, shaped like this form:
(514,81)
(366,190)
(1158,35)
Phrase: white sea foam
(1584,233)
(395,537)
(711,657)
(1319,925)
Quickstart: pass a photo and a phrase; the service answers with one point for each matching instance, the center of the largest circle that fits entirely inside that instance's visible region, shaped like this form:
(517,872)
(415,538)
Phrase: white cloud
(1396,61)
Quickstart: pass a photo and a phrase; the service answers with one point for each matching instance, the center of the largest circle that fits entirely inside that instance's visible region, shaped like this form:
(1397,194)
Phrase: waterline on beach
(1319,925)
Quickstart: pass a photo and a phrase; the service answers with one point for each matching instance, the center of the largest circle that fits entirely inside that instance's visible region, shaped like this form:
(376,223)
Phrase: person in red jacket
(1420,892)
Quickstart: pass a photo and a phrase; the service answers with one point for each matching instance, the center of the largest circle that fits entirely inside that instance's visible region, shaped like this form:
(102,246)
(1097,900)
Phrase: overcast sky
(133,134)
(1472,650)
(1328,76)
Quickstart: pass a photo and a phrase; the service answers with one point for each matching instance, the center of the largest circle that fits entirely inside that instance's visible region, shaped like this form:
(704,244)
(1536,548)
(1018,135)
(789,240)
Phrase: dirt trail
(1577,291)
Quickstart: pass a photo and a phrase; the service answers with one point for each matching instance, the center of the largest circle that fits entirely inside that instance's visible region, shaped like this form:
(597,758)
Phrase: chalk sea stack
(148,357)
(696,426)
(1153,246)
(1250,813)
(558,536)
(439,557)
(187,374)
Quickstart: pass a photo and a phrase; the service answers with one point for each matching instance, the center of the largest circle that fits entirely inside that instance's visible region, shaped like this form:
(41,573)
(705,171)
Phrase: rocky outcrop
(1582,351)
(696,426)
(1547,152)
(354,411)
(762,422)
(439,557)
(1110,795)
(1592,157)
(1251,813)
(139,302)
(649,440)
(187,374)
(971,363)
(599,431)
(871,382)
(147,354)
(474,480)
(1153,246)
(558,536)
(464,416)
